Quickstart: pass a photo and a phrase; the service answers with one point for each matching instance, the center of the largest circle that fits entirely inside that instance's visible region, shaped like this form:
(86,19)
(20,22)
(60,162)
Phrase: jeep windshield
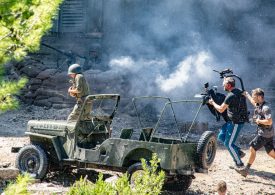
(103,106)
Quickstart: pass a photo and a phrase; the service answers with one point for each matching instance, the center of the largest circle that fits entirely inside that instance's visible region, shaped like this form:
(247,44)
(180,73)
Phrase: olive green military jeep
(88,143)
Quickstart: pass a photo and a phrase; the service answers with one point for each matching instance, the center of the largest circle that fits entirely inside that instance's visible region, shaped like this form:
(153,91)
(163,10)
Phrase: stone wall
(47,86)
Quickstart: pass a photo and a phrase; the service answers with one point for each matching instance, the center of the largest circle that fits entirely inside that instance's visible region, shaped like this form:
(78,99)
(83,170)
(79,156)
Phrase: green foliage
(22,25)
(81,187)
(150,182)
(122,185)
(7,90)
(85,187)
(101,187)
(20,186)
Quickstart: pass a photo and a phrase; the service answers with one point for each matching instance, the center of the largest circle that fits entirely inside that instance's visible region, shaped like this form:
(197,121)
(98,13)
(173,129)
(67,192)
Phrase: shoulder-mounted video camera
(217,97)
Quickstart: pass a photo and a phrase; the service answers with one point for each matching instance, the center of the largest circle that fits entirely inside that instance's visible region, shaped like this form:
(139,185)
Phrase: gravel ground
(260,181)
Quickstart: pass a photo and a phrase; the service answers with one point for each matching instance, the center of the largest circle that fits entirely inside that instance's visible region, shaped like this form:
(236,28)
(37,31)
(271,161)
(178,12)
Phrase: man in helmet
(79,90)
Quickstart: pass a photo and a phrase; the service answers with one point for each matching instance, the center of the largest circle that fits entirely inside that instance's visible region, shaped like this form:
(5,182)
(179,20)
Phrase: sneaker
(236,166)
(243,171)
(242,154)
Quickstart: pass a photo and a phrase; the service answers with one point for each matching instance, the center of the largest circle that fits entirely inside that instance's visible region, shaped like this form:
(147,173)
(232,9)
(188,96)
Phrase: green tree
(22,25)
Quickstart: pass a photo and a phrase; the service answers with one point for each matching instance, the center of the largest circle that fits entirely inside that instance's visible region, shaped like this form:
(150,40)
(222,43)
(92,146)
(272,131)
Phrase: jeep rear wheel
(32,159)
(135,171)
(180,183)
(206,150)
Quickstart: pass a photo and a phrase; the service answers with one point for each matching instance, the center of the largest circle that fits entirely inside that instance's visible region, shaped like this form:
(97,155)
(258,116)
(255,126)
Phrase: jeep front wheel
(33,160)
(206,150)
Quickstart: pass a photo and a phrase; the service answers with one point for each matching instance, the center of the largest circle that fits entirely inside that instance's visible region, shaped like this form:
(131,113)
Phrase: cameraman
(262,117)
(230,130)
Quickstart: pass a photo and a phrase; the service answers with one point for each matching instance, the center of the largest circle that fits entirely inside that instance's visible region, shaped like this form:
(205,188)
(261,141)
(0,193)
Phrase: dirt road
(260,181)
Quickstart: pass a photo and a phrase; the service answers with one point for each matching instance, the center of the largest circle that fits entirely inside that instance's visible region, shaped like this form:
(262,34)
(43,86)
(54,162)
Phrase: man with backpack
(235,103)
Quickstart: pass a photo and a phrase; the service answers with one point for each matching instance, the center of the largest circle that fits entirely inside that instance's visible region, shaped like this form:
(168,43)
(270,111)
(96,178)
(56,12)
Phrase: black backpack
(240,113)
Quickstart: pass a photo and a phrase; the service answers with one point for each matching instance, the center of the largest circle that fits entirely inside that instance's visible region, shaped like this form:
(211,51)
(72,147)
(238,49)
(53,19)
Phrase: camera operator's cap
(74,69)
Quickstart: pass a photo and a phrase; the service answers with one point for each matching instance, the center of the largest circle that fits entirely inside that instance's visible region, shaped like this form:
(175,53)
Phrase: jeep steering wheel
(93,123)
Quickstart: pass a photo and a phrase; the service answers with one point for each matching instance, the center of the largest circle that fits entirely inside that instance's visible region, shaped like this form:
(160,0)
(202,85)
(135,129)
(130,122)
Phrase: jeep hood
(50,127)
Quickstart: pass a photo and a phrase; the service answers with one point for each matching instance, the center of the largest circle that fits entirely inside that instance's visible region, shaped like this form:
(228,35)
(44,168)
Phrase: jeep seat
(90,133)
(146,134)
(126,133)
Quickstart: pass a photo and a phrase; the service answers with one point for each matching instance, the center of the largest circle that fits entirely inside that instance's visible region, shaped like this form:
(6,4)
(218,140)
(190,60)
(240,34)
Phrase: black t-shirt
(237,110)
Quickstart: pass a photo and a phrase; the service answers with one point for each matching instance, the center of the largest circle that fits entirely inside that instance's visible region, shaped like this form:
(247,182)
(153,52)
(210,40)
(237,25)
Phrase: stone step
(8,173)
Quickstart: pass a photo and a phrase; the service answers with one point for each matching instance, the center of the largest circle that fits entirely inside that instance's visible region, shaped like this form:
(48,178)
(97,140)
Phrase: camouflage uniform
(80,83)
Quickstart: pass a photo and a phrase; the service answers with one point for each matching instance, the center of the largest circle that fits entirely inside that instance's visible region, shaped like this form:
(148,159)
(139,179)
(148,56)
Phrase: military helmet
(74,69)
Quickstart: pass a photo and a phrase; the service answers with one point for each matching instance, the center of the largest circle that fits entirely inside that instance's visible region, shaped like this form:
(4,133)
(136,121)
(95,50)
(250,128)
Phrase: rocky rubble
(47,86)
(8,173)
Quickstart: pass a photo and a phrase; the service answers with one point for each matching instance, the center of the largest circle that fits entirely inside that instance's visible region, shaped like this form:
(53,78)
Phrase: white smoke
(142,73)
(122,62)
(127,63)
(170,47)
(150,77)
(195,66)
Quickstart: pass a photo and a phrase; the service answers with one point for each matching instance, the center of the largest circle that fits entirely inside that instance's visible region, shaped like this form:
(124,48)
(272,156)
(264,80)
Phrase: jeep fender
(135,156)
(43,140)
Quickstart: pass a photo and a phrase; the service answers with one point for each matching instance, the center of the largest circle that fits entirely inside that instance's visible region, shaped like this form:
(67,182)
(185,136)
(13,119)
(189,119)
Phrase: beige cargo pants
(73,116)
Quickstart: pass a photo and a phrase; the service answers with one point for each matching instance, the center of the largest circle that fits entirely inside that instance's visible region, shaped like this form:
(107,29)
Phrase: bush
(150,182)
(20,186)
(122,185)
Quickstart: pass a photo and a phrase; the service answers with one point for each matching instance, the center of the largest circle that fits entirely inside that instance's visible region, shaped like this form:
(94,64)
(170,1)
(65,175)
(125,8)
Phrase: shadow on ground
(263,174)
(67,177)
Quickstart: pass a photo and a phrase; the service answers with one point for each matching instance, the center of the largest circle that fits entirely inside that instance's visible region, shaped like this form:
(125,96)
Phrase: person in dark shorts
(265,131)
(230,130)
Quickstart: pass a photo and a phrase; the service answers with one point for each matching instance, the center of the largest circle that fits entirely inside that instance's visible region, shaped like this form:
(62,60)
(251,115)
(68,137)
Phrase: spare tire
(206,150)
(33,160)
